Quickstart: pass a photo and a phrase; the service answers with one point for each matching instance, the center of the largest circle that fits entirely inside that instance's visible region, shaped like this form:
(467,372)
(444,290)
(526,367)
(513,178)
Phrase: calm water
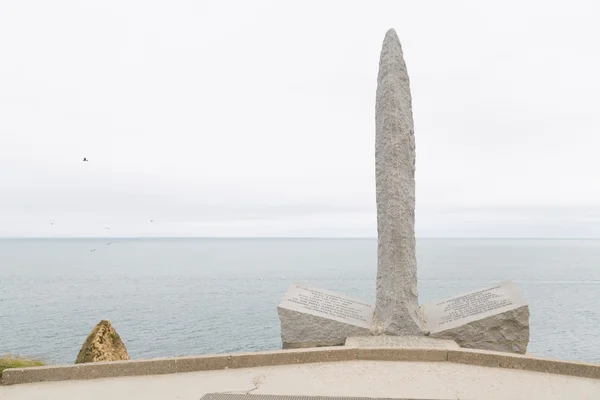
(171,297)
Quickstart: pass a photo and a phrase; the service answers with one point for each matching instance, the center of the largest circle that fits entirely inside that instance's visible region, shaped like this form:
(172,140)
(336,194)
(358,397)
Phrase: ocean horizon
(173,296)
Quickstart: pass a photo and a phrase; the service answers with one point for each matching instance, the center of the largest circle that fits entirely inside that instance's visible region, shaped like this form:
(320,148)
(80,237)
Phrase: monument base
(312,317)
(494,318)
(300,330)
(421,342)
(507,332)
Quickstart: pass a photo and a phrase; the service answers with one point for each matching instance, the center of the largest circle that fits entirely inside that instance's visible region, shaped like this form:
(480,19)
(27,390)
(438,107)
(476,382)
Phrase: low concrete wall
(174,365)
(527,363)
(296,356)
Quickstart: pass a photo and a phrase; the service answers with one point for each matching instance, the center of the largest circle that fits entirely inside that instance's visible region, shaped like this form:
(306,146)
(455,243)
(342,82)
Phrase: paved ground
(419,380)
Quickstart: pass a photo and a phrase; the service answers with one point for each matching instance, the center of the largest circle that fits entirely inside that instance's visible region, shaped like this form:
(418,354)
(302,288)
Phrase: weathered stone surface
(312,317)
(493,318)
(384,341)
(507,332)
(102,344)
(397,303)
(300,330)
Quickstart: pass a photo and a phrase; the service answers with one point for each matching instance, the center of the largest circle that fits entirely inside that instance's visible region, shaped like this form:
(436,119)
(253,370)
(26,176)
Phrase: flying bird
(107,228)
(92,250)
(108,244)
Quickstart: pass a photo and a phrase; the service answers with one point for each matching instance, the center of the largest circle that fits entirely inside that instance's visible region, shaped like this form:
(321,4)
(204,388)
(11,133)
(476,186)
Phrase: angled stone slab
(494,318)
(397,303)
(312,317)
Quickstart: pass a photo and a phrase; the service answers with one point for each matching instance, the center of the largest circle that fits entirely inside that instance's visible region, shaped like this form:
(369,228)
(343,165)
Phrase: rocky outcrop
(102,344)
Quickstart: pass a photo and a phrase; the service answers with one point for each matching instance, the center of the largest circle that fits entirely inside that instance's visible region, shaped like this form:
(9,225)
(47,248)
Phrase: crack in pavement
(257,381)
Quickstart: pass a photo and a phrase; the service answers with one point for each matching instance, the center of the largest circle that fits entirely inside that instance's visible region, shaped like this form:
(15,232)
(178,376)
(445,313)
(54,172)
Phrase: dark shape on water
(92,250)
(85,159)
(107,228)
(108,244)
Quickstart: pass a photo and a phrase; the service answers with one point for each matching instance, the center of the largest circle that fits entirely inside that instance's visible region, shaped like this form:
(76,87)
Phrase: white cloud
(256,118)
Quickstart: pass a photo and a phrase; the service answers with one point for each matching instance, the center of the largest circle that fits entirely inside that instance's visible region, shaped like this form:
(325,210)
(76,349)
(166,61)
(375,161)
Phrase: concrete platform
(358,378)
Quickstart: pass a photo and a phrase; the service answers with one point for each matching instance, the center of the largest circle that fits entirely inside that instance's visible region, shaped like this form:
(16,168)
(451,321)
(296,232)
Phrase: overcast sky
(256,118)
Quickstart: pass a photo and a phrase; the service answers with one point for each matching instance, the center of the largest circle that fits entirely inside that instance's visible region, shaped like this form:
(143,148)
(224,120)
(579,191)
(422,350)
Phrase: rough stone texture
(421,342)
(507,332)
(102,344)
(397,302)
(300,330)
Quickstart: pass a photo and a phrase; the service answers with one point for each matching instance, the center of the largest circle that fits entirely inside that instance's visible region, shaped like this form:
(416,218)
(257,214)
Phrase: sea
(175,297)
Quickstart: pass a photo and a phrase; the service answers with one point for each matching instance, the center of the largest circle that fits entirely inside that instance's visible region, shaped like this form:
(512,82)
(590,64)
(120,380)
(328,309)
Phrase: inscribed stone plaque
(326,304)
(460,310)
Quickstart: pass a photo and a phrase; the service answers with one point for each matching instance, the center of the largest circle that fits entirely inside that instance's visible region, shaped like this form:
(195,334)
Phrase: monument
(397,304)
(495,318)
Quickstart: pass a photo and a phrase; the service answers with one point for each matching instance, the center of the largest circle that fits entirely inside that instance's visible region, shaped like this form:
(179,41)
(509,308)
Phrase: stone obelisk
(396,309)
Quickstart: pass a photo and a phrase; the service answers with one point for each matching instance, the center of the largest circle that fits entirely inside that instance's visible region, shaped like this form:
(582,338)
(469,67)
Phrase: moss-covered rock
(102,344)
